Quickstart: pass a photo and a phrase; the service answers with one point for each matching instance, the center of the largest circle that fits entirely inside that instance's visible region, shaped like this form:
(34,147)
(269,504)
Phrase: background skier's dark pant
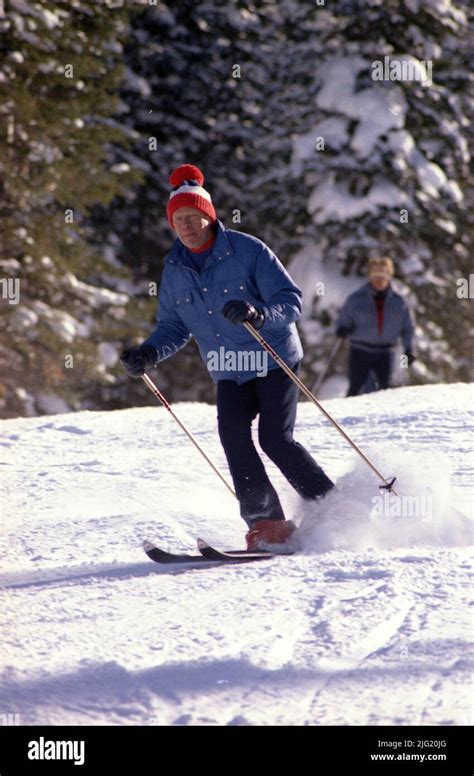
(362,362)
(274,398)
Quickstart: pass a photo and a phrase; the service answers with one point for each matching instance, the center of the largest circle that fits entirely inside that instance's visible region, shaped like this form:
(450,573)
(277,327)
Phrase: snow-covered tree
(382,159)
(60,70)
(332,131)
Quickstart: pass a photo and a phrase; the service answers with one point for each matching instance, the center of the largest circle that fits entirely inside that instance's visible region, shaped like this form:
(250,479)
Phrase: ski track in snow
(370,624)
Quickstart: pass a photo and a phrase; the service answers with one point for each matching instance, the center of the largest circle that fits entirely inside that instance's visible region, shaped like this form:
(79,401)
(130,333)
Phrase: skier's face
(192,228)
(379,277)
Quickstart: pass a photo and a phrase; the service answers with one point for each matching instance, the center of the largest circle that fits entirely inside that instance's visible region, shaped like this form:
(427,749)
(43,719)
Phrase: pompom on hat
(187,181)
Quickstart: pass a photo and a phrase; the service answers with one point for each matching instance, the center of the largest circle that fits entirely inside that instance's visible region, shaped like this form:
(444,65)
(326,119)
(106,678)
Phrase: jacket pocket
(236,288)
(188,307)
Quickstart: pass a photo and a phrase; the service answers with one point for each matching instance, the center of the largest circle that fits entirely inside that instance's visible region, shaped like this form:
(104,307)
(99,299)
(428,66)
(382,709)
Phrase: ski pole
(155,390)
(318,383)
(388,484)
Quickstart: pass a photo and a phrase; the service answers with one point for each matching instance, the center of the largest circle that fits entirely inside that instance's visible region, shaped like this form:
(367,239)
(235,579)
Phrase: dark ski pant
(274,398)
(363,362)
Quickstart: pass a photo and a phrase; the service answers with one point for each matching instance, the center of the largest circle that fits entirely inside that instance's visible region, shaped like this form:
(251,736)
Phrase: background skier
(374,317)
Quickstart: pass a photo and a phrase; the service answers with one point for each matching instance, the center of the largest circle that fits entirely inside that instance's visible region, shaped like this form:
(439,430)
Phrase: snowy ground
(371,624)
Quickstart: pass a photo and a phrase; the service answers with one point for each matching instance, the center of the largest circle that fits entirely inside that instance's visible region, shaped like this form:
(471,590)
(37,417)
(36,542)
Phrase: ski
(161,556)
(207,556)
(211,553)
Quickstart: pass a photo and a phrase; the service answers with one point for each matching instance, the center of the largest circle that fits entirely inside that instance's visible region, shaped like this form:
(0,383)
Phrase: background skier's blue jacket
(358,316)
(239,267)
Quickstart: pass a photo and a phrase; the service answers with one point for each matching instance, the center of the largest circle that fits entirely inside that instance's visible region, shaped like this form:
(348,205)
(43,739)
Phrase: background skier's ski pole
(388,484)
(155,390)
(318,383)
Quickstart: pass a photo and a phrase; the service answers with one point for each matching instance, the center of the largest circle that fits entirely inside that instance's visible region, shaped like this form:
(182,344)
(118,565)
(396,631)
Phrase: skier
(374,317)
(214,279)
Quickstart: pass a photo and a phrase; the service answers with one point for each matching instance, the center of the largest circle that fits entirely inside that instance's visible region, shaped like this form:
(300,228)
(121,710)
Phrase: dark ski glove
(342,332)
(411,358)
(237,311)
(136,360)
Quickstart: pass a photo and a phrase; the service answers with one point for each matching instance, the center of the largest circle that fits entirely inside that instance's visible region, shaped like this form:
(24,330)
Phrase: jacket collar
(222,249)
(370,290)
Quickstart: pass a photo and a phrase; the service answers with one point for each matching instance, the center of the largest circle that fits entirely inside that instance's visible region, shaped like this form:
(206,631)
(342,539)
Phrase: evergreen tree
(278,103)
(390,174)
(60,71)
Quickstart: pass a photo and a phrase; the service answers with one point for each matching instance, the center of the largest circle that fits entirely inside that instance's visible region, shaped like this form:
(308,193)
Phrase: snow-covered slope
(371,624)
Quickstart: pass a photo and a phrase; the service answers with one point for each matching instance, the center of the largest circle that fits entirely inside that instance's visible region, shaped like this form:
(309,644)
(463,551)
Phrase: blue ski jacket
(189,304)
(359,317)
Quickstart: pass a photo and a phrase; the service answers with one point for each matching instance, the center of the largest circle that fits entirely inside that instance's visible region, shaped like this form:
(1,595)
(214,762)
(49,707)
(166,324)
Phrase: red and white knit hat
(188,192)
